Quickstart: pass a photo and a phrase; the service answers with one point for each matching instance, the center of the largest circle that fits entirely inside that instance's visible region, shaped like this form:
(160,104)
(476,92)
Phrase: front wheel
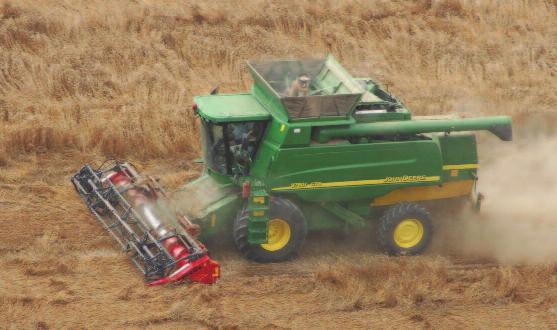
(286,232)
(405,229)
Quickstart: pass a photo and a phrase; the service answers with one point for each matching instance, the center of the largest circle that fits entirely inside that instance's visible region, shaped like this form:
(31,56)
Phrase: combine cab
(308,148)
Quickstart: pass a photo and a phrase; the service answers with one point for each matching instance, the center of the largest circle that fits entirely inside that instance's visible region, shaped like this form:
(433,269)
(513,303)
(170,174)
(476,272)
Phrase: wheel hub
(408,233)
(278,235)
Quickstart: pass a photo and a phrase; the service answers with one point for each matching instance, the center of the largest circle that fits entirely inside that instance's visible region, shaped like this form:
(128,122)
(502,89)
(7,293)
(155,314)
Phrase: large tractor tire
(287,231)
(405,229)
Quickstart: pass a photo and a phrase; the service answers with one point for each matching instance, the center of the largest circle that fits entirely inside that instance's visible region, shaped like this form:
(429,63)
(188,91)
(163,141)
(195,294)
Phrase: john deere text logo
(405,178)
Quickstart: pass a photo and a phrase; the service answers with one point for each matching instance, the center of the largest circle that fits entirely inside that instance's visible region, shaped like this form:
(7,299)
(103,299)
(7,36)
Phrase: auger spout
(500,126)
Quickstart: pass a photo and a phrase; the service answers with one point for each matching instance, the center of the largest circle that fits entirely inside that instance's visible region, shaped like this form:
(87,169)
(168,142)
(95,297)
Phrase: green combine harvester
(312,148)
(309,148)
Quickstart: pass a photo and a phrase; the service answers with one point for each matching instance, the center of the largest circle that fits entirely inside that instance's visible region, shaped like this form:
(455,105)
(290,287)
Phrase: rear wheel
(405,229)
(286,232)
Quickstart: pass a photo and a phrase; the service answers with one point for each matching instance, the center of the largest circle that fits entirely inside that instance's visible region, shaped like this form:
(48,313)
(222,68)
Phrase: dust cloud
(195,197)
(518,220)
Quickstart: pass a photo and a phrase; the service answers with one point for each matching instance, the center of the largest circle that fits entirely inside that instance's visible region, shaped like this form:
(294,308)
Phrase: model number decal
(306,185)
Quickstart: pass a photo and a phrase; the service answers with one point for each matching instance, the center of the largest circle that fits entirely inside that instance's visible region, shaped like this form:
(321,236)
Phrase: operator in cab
(299,86)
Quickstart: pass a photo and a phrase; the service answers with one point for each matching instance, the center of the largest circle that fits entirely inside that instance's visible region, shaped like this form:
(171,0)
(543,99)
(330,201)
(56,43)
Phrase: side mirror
(215,90)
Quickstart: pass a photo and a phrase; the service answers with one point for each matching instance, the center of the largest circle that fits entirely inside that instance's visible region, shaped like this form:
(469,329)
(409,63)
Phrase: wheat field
(117,78)
(81,81)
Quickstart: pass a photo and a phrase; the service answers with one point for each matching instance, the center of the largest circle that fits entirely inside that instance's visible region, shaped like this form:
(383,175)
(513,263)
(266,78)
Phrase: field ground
(60,269)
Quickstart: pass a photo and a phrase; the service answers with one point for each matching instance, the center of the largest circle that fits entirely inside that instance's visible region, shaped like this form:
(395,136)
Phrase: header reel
(136,211)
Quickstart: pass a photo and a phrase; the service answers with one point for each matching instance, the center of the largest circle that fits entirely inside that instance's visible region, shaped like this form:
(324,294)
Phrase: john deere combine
(312,148)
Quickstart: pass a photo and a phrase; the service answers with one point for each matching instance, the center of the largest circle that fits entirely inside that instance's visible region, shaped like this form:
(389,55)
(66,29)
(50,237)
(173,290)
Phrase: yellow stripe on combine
(415,194)
(460,167)
(387,180)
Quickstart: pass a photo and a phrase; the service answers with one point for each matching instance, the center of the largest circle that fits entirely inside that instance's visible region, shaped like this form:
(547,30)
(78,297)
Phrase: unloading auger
(135,210)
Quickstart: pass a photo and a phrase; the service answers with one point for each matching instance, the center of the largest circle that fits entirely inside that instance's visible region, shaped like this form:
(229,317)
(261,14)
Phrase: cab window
(230,148)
